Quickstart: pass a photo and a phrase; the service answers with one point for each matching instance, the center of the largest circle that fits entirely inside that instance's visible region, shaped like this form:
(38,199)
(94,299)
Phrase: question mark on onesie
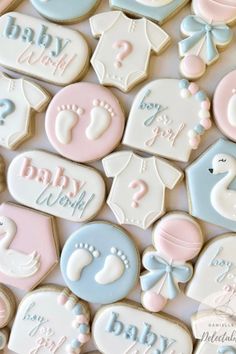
(6,108)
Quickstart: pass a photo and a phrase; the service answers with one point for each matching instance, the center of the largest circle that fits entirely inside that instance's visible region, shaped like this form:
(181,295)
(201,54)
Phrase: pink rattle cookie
(84,122)
(177,238)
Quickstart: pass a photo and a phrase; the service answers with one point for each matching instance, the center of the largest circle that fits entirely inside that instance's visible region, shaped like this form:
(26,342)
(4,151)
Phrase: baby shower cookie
(41,49)
(122,55)
(125,328)
(28,246)
(137,195)
(19,99)
(177,238)
(159,122)
(156,10)
(2,174)
(100,263)
(224,105)
(84,114)
(206,32)
(62,12)
(56,186)
(50,320)
(211,185)
(7,306)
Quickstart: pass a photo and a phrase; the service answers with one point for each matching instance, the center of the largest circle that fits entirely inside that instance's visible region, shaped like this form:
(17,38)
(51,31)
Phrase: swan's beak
(211,170)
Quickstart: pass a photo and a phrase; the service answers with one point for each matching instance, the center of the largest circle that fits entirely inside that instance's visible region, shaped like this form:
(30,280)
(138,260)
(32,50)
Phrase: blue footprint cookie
(100,263)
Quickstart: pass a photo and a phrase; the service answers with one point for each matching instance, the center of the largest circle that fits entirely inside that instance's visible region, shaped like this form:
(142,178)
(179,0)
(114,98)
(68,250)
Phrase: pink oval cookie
(216,10)
(224,105)
(84,122)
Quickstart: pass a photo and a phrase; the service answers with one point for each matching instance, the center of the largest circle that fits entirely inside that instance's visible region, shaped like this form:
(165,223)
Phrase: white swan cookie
(100,263)
(23,260)
(50,319)
(211,185)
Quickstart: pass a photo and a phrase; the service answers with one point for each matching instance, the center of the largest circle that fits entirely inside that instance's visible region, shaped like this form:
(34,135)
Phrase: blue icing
(226,350)
(102,240)
(201,181)
(158,14)
(64,10)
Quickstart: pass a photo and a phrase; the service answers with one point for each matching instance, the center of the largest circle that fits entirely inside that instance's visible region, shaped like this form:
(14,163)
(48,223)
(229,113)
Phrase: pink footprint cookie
(84,115)
(177,238)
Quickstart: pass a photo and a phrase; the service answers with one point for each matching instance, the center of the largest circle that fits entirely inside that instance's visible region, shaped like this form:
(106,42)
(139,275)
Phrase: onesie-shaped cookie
(122,55)
(7,310)
(206,32)
(177,238)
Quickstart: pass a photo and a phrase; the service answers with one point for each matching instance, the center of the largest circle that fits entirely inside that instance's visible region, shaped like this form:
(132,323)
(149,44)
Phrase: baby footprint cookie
(100,263)
(177,238)
(84,114)
(7,310)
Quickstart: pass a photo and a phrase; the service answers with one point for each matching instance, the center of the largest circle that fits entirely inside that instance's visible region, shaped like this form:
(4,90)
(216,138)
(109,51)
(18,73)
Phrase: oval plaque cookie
(51,184)
(42,49)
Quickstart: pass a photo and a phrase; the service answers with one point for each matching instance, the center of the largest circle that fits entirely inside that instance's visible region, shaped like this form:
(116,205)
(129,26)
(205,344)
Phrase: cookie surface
(65,12)
(100,263)
(84,114)
(7,306)
(221,11)
(159,121)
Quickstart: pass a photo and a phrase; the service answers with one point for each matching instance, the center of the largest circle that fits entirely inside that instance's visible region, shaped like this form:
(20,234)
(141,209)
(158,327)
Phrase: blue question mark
(226,350)
(6,108)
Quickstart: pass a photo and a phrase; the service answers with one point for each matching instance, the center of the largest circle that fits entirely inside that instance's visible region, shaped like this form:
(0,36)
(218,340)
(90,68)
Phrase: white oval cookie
(42,49)
(122,328)
(56,186)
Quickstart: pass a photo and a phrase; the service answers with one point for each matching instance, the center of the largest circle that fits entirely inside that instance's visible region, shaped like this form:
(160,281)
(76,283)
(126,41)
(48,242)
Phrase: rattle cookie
(206,32)
(122,41)
(50,319)
(7,310)
(177,238)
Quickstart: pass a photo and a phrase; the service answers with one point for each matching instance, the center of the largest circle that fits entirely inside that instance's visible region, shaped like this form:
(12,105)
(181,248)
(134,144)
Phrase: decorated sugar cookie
(137,195)
(211,185)
(64,12)
(209,348)
(177,238)
(42,49)
(100,263)
(19,99)
(159,120)
(50,320)
(206,33)
(23,260)
(56,186)
(122,55)
(84,114)
(7,310)
(125,328)
(2,174)
(156,10)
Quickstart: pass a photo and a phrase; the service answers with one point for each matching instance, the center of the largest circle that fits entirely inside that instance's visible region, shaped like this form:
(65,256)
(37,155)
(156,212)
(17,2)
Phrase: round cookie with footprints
(84,114)
(100,263)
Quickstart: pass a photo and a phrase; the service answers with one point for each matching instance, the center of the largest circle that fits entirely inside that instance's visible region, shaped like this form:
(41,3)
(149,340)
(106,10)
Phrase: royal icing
(209,348)
(224,105)
(137,194)
(122,55)
(23,260)
(100,274)
(50,320)
(42,49)
(81,115)
(156,10)
(7,307)
(59,11)
(56,186)
(211,185)
(4,334)
(221,11)
(122,328)
(177,238)
(19,98)
(159,120)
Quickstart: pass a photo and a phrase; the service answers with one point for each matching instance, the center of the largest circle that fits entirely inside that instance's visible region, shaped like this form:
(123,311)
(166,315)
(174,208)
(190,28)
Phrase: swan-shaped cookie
(15,263)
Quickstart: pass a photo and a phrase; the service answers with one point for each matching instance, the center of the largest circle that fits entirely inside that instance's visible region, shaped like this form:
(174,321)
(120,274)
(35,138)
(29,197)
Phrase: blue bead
(199,129)
(75,344)
(183,84)
(78,310)
(84,329)
(201,96)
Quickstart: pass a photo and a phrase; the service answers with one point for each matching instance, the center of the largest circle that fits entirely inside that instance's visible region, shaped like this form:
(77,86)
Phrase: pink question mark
(126,49)
(143,189)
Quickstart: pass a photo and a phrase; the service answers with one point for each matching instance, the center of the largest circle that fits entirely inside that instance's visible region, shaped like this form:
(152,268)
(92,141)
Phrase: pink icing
(206,105)
(83,338)
(222,95)
(153,302)
(192,66)
(193,88)
(85,96)
(216,10)
(206,123)
(34,233)
(178,237)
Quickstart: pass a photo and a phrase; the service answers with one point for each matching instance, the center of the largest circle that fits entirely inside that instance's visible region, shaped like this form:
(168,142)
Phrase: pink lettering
(28,170)
(60,180)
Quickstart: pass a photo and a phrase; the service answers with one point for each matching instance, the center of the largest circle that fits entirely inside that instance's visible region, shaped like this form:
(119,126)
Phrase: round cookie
(63,12)
(100,263)
(221,11)
(224,105)
(7,305)
(84,114)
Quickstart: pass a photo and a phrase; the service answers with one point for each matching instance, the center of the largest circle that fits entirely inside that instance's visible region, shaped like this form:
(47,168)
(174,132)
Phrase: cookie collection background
(165,65)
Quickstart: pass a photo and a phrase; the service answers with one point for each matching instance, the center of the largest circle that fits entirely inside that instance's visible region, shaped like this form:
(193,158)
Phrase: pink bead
(206,105)
(81,319)
(194,142)
(206,123)
(62,299)
(193,88)
(83,338)
(153,302)
(192,66)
